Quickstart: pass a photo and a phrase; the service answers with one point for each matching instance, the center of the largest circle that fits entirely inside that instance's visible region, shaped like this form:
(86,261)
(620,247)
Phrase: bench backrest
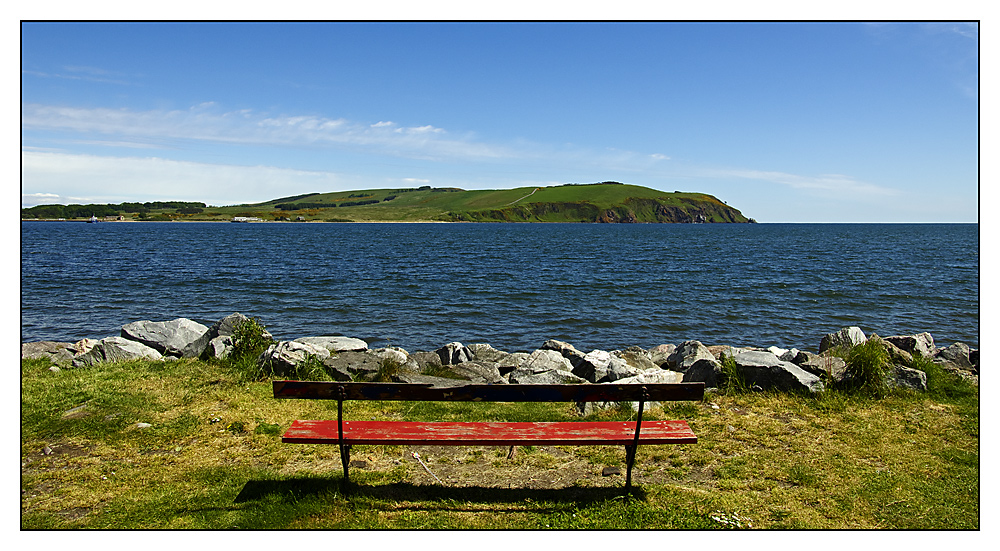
(605,392)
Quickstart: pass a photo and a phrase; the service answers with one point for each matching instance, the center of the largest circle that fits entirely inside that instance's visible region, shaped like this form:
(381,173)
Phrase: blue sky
(787,122)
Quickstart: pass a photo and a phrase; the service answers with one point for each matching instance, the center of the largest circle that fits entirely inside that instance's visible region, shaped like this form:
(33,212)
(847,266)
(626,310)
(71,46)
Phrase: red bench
(630,434)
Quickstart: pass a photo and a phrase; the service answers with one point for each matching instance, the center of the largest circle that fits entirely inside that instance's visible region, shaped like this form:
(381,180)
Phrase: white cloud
(830,183)
(204,123)
(55,177)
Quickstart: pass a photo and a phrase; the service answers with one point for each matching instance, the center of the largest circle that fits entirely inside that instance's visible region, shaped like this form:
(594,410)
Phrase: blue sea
(420,286)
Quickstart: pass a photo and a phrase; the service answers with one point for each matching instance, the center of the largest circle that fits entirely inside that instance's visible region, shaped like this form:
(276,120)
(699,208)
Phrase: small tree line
(102,210)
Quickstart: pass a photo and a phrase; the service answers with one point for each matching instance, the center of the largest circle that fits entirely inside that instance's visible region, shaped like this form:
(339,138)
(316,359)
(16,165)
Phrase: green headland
(600,202)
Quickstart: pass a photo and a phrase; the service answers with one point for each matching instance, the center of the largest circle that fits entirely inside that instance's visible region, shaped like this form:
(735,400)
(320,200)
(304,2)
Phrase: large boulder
(846,337)
(703,371)
(567,350)
(651,376)
(660,353)
(283,357)
(116,349)
(363,364)
(637,358)
(512,361)
(904,377)
(480,372)
(823,365)
(227,326)
(766,371)
(454,353)
(920,344)
(687,354)
(219,347)
(957,354)
(546,360)
(594,366)
(334,344)
(180,337)
(48,350)
(486,353)
(550,377)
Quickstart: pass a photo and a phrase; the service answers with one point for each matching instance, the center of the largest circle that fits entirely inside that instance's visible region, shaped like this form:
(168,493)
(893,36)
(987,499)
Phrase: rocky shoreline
(346,358)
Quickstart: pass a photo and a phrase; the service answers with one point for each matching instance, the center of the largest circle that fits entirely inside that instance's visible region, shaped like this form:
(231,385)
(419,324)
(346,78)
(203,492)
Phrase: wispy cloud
(205,122)
(91,74)
(57,177)
(825,183)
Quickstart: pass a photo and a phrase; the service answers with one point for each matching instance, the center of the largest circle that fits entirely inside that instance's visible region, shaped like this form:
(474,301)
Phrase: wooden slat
(610,392)
(617,433)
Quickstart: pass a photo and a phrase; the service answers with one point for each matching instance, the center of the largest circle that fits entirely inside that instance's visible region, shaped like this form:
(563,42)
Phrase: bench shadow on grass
(293,489)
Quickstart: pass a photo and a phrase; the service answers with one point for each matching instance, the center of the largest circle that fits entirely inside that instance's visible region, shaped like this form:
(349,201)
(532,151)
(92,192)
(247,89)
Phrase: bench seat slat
(618,433)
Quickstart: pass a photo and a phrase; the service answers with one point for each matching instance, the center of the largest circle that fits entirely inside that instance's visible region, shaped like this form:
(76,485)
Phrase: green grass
(566,203)
(212,459)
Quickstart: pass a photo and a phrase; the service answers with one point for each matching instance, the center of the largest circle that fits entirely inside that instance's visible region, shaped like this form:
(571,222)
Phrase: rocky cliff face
(632,210)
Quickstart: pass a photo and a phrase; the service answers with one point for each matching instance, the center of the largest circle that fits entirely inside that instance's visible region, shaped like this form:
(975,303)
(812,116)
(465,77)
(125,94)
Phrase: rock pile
(345,358)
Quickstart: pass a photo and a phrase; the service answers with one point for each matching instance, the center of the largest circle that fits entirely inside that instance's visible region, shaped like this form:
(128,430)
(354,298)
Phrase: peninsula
(604,202)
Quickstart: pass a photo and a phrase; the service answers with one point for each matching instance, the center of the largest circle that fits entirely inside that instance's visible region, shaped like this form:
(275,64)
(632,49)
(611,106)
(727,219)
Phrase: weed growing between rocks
(868,368)
(732,381)
(250,340)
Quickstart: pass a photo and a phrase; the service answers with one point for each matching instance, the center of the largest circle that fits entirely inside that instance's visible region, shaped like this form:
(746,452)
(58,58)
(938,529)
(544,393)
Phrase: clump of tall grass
(868,368)
(731,380)
(250,340)
(388,369)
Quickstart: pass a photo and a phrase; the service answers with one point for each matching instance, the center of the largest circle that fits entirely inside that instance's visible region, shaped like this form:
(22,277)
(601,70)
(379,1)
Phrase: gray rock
(219,347)
(479,372)
(426,360)
(48,350)
(905,377)
(546,360)
(486,353)
(767,371)
(660,353)
(116,349)
(636,357)
(392,353)
(687,354)
(921,343)
(512,361)
(896,353)
(454,353)
(650,376)
(847,337)
(594,366)
(551,377)
(619,369)
(363,364)
(957,354)
(335,344)
(704,371)
(567,350)
(180,337)
(283,357)
(655,375)
(822,365)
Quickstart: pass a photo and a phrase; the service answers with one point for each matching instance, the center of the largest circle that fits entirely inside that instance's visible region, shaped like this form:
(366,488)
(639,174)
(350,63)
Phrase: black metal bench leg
(629,461)
(345,459)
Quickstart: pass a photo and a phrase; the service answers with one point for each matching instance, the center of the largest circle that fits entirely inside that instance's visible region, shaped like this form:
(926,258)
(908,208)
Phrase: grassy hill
(602,202)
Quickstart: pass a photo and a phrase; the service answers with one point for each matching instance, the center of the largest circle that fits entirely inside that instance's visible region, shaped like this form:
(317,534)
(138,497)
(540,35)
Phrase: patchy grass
(212,458)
